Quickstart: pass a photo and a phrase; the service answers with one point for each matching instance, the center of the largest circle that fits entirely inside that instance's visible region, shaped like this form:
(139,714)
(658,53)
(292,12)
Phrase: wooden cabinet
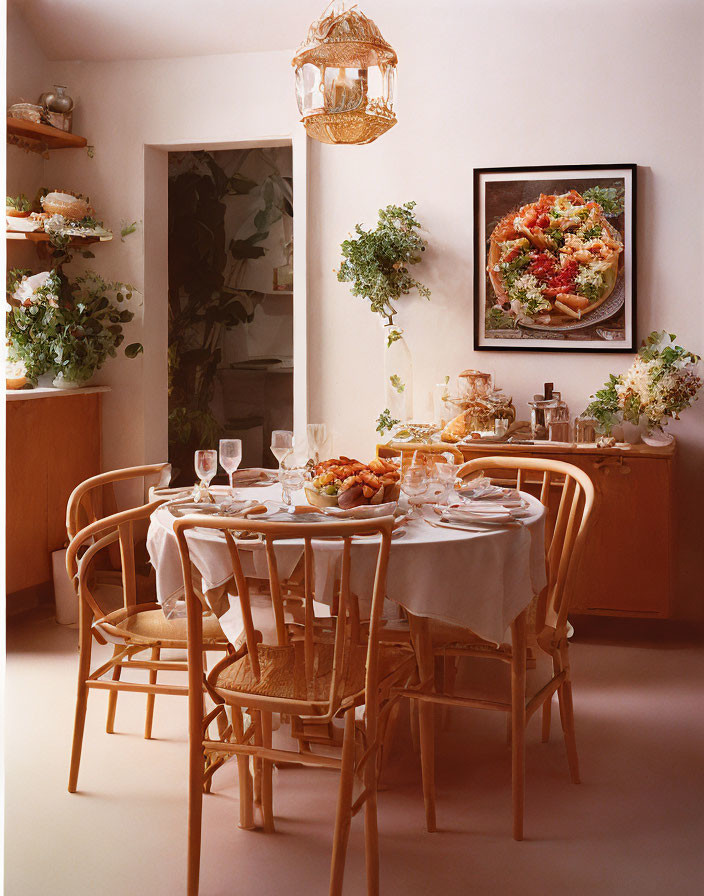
(627,569)
(53,444)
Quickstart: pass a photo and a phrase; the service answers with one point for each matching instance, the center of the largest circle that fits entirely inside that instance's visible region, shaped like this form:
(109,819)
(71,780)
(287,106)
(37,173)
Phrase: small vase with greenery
(376,263)
(65,328)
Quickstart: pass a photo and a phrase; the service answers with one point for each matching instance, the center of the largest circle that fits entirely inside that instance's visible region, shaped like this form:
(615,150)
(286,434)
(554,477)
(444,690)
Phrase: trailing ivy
(376,261)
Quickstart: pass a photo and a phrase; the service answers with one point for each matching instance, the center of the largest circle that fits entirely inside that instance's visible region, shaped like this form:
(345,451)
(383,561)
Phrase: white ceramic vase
(60,383)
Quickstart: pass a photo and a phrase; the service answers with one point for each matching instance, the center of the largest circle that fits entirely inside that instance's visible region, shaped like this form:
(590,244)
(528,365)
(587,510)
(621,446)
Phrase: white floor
(635,825)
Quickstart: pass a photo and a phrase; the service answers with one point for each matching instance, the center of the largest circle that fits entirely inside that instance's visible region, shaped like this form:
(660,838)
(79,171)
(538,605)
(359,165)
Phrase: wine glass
(230,458)
(206,464)
(414,483)
(281,444)
(317,435)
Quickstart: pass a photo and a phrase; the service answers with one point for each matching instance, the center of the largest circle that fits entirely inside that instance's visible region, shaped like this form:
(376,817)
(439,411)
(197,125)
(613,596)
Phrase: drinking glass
(317,436)
(206,464)
(281,444)
(414,483)
(230,458)
(446,474)
(292,475)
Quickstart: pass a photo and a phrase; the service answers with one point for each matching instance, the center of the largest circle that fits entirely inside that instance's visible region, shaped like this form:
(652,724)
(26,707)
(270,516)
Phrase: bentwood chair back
(566,530)
(563,548)
(132,628)
(429,450)
(95,497)
(306,670)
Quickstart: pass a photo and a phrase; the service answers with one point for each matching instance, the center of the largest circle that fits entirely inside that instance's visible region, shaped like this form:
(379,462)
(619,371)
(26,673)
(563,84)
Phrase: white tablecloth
(480,580)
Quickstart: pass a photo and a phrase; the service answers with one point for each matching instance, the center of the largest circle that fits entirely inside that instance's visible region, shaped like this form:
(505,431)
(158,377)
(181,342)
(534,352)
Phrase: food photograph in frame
(555,258)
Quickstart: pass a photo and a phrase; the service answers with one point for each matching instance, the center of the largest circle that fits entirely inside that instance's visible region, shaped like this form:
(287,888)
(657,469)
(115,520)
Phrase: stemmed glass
(317,435)
(446,475)
(230,458)
(281,444)
(414,483)
(206,464)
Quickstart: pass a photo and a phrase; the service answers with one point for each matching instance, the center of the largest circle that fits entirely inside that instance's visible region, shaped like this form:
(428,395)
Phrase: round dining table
(481,578)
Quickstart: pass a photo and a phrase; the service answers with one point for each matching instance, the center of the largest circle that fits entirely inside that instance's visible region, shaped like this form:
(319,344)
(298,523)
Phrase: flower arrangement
(376,262)
(67,329)
(663,380)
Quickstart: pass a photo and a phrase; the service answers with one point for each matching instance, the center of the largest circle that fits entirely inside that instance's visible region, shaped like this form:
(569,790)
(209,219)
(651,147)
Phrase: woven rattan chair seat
(152,625)
(283,672)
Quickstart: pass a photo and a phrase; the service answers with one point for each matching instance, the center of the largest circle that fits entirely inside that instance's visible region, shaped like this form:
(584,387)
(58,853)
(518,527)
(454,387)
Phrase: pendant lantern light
(345,78)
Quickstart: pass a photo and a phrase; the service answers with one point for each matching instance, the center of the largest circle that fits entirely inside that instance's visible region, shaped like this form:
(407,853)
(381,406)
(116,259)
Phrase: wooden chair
(96,498)
(405,453)
(565,537)
(315,671)
(132,628)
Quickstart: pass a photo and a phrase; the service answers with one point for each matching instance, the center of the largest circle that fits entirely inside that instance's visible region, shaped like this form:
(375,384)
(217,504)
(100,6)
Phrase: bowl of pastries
(346,483)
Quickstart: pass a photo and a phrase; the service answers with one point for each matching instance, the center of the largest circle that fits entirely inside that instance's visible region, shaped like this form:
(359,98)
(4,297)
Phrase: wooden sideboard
(53,444)
(627,568)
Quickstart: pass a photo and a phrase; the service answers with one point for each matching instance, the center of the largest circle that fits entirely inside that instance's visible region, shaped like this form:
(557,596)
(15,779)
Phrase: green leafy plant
(58,326)
(611,199)
(395,381)
(496,319)
(385,422)
(19,203)
(376,261)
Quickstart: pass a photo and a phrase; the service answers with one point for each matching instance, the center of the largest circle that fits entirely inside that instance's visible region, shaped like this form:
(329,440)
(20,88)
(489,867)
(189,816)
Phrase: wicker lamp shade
(345,79)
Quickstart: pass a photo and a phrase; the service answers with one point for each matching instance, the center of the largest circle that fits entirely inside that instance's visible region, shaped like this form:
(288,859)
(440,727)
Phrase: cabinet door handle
(607,464)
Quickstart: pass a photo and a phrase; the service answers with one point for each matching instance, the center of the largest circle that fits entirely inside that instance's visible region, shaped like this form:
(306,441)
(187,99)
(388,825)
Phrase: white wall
(481,83)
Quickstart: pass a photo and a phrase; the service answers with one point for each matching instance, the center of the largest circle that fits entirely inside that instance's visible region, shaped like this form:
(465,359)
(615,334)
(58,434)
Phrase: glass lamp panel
(345,89)
(381,82)
(309,95)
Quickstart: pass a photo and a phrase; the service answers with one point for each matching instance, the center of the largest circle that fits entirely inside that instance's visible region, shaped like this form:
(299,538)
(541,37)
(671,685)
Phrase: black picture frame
(627,270)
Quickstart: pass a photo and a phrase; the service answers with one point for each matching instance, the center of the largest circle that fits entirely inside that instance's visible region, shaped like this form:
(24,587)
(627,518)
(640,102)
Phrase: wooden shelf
(38,236)
(53,138)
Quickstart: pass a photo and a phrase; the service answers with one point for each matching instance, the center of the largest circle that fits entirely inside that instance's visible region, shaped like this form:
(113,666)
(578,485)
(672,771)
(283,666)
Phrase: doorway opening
(231,323)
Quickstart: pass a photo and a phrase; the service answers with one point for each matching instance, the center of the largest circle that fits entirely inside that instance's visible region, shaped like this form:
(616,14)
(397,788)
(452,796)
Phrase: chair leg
(518,721)
(371,825)
(195,806)
(423,646)
(387,738)
(156,653)
(85,643)
(267,777)
(257,763)
(243,775)
(112,695)
(564,696)
(343,815)
(547,717)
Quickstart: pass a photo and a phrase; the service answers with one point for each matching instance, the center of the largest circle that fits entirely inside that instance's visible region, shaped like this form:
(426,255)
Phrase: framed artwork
(555,258)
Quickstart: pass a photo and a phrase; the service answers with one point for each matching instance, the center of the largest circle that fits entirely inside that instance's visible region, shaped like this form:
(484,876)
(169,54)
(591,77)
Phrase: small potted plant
(64,328)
